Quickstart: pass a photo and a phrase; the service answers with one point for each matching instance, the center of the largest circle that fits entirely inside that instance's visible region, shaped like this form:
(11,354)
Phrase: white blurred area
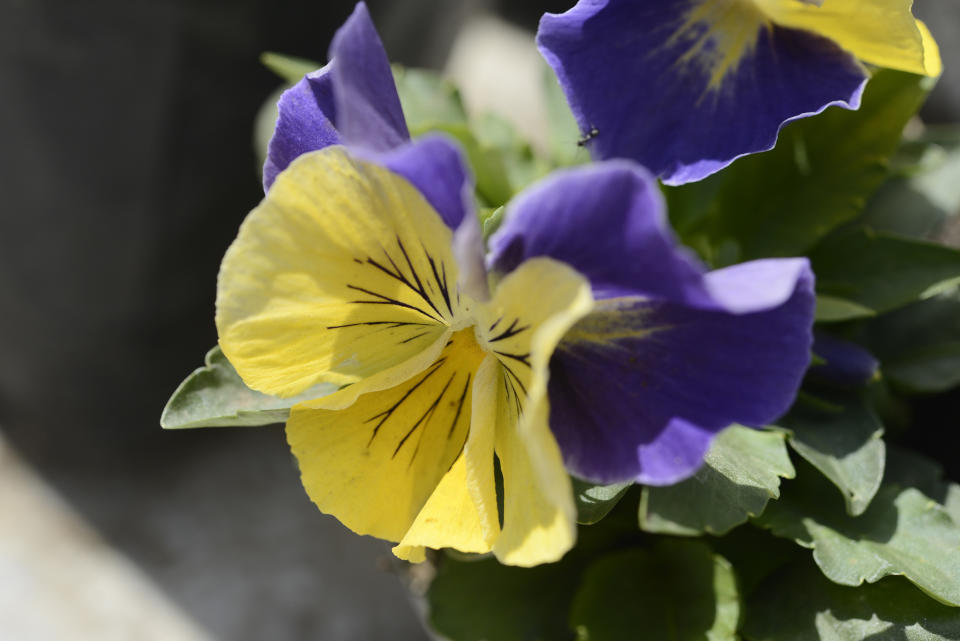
(60,581)
(498,69)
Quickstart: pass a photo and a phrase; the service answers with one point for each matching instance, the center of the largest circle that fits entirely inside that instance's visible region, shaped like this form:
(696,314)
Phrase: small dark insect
(587,137)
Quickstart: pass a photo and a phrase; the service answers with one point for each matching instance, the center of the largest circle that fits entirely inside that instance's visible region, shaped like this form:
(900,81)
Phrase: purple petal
(638,388)
(757,285)
(306,121)
(436,167)
(685,87)
(368,107)
(607,221)
(846,364)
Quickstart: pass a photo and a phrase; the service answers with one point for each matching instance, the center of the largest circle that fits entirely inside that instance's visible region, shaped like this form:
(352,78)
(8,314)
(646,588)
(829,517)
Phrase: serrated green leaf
(595,501)
(741,473)
(903,532)
(428,99)
(676,590)
(844,443)
(831,309)
(919,346)
(906,468)
(215,396)
(290,68)
(779,203)
(799,604)
(880,271)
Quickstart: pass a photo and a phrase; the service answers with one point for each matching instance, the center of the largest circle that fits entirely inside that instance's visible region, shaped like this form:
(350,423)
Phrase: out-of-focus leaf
(564,134)
(489,168)
(845,444)
(521,164)
(595,501)
(919,346)
(290,68)
(428,99)
(485,601)
(831,309)
(740,474)
(903,532)
(882,272)
(215,396)
(779,203)
(798,603)
(482,600)
(677,590)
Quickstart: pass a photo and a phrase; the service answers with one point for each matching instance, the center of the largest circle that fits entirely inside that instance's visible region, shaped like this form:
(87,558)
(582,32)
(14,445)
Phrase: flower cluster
(579,338)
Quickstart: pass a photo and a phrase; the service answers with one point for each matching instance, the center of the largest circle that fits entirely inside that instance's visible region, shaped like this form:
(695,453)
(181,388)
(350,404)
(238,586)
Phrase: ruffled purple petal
(607,221)
(306,121)
(436,167)
(368,107)
(638,388)
(686,87)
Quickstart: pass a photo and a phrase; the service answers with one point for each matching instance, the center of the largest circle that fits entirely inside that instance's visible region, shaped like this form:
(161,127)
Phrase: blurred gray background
(126,167)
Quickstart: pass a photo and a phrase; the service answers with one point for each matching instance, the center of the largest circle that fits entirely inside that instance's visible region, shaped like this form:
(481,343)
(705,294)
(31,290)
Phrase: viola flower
(687,86)
(353,101)
(346,274)
(671,353)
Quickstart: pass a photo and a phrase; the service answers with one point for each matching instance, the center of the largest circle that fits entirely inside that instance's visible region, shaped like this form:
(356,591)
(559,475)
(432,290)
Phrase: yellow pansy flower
(346,274)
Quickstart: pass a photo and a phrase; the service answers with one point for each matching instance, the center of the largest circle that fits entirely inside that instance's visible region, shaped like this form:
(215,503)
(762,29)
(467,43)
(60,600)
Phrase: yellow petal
(374,464)
(531,310)
(343,270)
(881,32)
(462,511)
(539,515)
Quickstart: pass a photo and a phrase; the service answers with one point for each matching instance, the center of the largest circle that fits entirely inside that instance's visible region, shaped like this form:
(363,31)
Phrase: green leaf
(214,396)
(741,473)
(911,469)
(755,554)
(485,601)
(563,131)
(779,203)
(881,271)
(918,202)
(595,501)
(831,309)
(919,346)
(798,603)
(522,166)
(482,600)
(676,590)
(502,162)
(903,532)
(290,68)
(428,99)
(843,442)
(489,168)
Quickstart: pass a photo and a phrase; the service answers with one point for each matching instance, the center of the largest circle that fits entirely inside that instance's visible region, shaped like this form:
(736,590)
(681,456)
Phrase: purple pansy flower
(671,354)
(687,86)
(353,101)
